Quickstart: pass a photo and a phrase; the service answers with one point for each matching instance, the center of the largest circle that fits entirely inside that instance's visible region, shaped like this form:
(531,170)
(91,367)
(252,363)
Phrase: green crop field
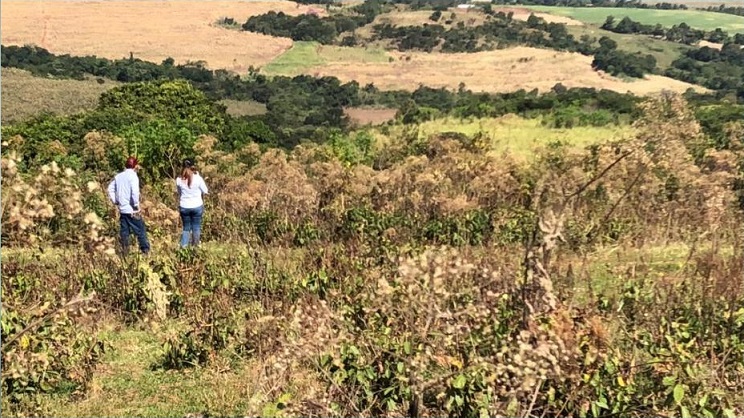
(696,19)
(304,55)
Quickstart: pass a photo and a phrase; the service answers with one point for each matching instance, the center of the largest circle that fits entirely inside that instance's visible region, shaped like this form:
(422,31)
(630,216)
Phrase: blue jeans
(129,224)
(192,220)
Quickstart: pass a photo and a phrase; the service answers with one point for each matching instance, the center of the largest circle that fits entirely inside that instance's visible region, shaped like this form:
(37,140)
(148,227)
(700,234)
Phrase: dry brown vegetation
(371,116)
(345,297)
(151,30)
(492,71)
(522,13)
(24,95)
(474,17)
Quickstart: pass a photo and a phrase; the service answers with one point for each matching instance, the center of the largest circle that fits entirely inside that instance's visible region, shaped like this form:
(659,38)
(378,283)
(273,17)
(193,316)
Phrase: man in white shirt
(124,192)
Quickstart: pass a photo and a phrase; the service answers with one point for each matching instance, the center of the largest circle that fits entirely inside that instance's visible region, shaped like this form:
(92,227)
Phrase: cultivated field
(491,71)
(523,13)
(24,95)
(696,19)
(303,55)
(151,30)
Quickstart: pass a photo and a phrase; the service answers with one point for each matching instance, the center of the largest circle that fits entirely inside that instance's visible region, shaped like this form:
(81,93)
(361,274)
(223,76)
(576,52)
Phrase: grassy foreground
(128,381)
(425,277)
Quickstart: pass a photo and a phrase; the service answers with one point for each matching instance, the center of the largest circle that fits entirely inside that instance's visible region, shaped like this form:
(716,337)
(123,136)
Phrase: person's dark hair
(131,162)
(187,172)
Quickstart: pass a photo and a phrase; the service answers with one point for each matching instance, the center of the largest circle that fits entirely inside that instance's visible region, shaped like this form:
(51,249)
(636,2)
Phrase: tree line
(500,30)
(681,33)
(731,10)
(307,108)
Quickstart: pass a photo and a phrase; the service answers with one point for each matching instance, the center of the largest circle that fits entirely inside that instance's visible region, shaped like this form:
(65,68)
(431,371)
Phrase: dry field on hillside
(491,71)
(473,17)
(24,95)
(151,29)
(420,17)
(522,13)
(369,116)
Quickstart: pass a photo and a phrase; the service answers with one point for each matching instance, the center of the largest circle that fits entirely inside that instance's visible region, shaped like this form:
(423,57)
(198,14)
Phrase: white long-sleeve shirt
(124,191)
(190,197)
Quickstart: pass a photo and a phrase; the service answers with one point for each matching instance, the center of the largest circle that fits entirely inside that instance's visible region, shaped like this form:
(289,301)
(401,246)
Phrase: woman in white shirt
(191,187)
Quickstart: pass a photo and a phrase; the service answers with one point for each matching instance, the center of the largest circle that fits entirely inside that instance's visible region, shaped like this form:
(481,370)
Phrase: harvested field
(152,30)
(24,95)
(523,13)
(420,17)
(491,71)
(369,116)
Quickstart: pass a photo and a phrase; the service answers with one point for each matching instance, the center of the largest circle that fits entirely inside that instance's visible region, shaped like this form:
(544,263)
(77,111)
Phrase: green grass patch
(244,107)
(665,52)
(126,384)
(694,18)
(304,55)
(517,136)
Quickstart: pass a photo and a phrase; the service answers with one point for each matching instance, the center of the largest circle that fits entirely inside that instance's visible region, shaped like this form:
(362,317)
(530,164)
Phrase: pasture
(491,71)
(694,18)
(665,52)
(521,138)
(24,95)
(304,55)
(151,30)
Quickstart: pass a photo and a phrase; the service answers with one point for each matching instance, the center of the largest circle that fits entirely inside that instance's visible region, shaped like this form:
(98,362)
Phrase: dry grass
(24,95)
(522,13)
(474,17)
(710,45)
(419,17)
(153,30)
(369,116)
(491,71)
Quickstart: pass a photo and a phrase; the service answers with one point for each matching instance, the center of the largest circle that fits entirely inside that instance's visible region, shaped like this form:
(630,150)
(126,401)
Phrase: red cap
(131,162)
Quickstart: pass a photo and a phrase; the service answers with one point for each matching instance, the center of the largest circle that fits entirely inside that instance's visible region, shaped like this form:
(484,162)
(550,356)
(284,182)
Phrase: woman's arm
(203,185)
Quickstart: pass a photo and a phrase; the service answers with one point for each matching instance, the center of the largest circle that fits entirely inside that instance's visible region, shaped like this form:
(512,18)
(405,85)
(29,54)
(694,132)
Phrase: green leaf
(602,403)
(679,393)
(685,412)
(669,380)
(459,382)
(729,413)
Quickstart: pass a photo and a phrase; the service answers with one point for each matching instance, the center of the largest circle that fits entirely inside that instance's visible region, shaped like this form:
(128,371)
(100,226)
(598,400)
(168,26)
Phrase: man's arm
(135,193)
(112,191)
